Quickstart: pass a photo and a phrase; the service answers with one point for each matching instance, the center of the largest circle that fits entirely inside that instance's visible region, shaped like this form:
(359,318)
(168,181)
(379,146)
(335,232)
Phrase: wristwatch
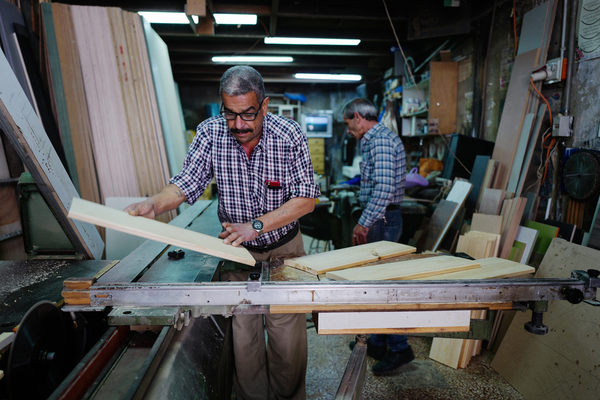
(257,225)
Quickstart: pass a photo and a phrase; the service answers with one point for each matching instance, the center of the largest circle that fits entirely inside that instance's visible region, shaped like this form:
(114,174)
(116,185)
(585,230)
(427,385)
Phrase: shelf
(415,114)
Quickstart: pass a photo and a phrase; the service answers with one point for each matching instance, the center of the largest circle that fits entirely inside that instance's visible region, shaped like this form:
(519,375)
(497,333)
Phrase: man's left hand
(359,235)
(235,234)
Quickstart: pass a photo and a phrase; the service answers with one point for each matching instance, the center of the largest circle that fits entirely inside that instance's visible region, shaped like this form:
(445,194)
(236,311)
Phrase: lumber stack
(105,83)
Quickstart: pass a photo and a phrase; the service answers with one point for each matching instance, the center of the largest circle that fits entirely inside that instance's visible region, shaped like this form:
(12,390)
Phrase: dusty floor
(422,379)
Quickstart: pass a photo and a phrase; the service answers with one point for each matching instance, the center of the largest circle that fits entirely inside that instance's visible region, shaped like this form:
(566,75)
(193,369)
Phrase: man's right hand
(143,209)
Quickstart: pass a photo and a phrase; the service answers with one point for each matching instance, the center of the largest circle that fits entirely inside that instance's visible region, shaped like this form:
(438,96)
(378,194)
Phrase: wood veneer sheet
(349,257)
(98,214)
(411,269)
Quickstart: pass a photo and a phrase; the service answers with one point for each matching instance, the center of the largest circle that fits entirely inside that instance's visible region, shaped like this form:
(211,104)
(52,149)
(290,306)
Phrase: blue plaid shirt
(382,173)
(281,155)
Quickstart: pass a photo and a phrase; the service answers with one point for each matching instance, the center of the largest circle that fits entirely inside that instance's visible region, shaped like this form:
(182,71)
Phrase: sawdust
(19,275)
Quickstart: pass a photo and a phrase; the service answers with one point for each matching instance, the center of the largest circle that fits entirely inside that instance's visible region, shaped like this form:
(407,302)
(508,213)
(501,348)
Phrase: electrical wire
(515,24)
(553,141)
(407,67)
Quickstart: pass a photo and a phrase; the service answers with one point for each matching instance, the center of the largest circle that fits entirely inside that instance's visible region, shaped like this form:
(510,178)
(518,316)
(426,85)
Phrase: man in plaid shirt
(382,180)
(265,179)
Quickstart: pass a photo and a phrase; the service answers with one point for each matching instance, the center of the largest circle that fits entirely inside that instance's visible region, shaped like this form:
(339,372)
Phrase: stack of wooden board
(106,85)
(338,321)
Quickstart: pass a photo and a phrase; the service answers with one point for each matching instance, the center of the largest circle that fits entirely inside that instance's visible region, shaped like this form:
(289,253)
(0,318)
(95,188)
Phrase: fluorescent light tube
(329,77)
(252,59)
(314,41)
(235,19)
(167,17)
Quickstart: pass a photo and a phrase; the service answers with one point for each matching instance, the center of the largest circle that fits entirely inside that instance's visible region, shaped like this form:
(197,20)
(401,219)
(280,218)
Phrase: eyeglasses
(247,116)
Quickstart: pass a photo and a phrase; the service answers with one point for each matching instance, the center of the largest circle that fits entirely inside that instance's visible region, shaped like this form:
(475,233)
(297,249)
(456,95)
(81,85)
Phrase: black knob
(574,296)
(593,273)
(176,254)
(254,276)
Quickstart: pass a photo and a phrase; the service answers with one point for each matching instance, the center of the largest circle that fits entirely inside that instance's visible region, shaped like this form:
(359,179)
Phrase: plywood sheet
(349,257)
(491,201)
(517,165)
(441,219)
(119,220)
(25,132)
(564,363)
(488,223)
(411,269)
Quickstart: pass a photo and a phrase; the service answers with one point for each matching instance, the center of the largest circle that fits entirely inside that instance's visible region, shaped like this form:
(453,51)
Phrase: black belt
(283,240)
(392,207)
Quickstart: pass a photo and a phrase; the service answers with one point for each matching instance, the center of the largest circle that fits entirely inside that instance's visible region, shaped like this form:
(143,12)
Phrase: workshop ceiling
(191,53)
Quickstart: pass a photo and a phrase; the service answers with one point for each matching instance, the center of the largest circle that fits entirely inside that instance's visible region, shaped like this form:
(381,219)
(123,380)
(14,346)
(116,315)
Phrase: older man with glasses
(264,175)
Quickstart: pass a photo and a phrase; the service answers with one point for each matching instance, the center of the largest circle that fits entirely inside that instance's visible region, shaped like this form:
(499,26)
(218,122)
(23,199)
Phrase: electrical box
(562,126)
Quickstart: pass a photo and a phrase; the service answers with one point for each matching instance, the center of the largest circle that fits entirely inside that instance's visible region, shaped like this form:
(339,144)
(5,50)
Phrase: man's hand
(143,209)
(359,235)
(235,234)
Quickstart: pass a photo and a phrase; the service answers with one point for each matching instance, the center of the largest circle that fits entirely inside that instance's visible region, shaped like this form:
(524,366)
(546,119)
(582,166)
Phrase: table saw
(156,324)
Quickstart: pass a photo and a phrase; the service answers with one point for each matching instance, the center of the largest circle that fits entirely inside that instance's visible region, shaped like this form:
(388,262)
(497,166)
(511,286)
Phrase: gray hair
(363,107)
(240,80)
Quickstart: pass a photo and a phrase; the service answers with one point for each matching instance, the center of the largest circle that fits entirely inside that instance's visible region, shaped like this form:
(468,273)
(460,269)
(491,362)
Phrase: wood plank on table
(411,269)
(348,257)
(150,229)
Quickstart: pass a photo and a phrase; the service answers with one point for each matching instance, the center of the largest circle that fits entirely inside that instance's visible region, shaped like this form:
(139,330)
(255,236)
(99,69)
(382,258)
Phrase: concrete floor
(422,379)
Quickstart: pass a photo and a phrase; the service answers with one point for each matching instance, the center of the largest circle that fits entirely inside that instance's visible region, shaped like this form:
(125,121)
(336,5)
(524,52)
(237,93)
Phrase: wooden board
(527,236)
(491,268)
(517,165)
(564,363)
(546,234)
(445,94)
(513,114)
(25,132)
(411,269)
(513,218)
(491,201)
(488,223)
(393,322)
(321,263)
(121,221)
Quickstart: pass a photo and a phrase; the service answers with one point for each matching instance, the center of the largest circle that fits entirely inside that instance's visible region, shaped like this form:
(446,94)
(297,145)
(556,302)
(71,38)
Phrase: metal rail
(337,293)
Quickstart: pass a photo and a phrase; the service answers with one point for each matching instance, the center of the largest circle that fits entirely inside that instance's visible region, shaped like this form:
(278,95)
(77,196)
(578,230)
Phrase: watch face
(257,224)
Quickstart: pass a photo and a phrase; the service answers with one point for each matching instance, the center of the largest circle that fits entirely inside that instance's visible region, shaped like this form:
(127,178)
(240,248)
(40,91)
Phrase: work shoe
(377,352)
(393,360)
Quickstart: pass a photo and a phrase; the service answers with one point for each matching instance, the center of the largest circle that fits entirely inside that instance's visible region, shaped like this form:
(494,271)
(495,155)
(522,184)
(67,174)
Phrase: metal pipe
(570,57)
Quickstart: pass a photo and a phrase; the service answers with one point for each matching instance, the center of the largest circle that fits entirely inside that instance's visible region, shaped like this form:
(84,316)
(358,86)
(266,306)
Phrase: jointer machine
(156,324)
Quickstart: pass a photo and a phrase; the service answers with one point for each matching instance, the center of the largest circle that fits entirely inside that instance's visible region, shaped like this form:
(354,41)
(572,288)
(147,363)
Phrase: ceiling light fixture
(167,17)
(252,59)
(236,19)
(313,41)
(329,77)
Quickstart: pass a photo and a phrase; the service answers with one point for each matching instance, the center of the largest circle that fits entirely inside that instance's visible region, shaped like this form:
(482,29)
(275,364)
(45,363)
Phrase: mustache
(236,130)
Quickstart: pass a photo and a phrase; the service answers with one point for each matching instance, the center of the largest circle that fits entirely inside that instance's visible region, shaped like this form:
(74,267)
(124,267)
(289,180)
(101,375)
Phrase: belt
(283,240)
(392,207)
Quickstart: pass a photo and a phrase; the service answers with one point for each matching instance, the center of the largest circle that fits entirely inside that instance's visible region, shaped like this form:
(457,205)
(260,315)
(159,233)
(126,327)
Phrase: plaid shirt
(281,155)
(382,173)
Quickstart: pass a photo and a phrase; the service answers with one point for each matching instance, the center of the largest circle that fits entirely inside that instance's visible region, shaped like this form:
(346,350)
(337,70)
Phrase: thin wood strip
(307,309)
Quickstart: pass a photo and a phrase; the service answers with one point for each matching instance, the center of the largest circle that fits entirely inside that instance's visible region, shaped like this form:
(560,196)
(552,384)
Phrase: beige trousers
(276,369)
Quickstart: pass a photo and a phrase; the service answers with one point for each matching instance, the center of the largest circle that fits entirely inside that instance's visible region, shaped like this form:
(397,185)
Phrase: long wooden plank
(458,194)
(25,132)
(121,221)
(491,268)
(349,257)
(513,114)
(411,269)
(515,171)
(312,308)
(341,323)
